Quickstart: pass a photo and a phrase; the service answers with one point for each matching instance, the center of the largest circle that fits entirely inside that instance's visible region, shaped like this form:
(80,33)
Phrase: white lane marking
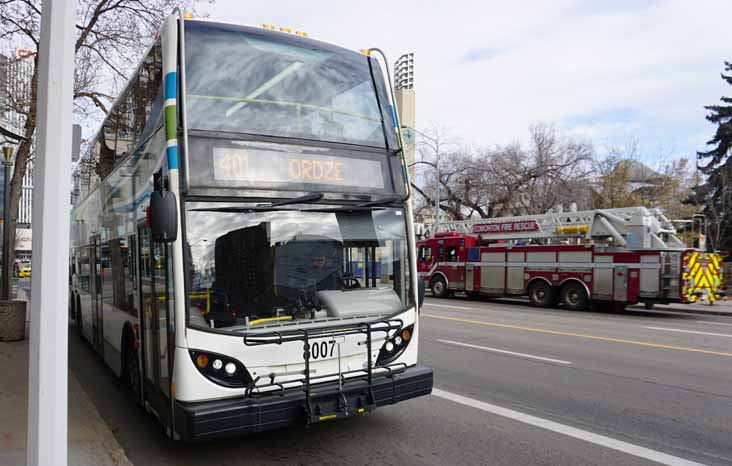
(597,439)
(710,322)
(678,330)
(448,307)
(496,350)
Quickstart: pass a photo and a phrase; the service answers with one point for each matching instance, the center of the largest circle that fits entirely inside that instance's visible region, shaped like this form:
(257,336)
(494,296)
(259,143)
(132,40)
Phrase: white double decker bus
(242,251)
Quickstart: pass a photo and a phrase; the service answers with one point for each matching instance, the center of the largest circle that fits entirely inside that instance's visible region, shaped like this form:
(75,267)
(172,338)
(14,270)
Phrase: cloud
(479,54)
(489,69)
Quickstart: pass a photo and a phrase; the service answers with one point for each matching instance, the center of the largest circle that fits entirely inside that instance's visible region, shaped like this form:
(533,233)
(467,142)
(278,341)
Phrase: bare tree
(108,38)
(509,180)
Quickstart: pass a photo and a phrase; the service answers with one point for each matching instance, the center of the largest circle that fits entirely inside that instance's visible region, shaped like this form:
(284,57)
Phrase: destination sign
(506,227)
(256,166)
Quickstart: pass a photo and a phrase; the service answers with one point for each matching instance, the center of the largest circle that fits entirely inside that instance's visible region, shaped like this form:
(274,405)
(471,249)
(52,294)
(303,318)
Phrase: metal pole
(437,196)
(6,231)
(48,358)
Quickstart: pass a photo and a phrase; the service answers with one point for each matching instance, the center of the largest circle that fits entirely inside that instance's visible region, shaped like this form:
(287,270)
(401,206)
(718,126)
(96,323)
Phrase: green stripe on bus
(171,122)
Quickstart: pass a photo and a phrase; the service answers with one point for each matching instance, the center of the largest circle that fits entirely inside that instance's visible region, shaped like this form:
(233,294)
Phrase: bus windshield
(245,80)
(251,266)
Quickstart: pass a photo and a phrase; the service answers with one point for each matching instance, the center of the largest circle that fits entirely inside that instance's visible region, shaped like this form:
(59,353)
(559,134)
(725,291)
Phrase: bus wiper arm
(311,197)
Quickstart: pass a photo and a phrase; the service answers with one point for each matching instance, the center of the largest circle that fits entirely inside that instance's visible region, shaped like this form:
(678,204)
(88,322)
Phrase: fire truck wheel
(439,287)
(541,294)
(574,296)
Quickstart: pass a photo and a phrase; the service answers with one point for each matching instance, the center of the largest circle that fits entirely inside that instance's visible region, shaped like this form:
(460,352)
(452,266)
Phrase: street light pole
(7,163)
(437,188)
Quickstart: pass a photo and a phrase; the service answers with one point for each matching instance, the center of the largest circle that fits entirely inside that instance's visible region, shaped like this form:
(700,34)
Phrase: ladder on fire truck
(633,228)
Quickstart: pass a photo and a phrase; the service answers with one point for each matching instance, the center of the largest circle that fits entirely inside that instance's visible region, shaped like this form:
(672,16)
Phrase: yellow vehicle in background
(24,271)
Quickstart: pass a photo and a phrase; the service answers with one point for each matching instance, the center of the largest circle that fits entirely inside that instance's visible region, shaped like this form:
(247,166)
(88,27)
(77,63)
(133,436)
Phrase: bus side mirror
(163,217)
(420,292)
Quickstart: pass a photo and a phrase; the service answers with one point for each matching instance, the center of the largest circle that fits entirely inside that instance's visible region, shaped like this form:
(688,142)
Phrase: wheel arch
(436,275)
(533,280)
(575,280)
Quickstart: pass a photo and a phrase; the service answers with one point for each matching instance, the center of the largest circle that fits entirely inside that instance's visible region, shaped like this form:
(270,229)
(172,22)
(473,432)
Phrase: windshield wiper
(268,207)
(311,197)
(382,201)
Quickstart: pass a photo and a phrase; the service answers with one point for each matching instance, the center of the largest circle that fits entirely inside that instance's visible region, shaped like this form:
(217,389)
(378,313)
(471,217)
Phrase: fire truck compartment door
(492,277)
(515,273)
(650,278)
(620,284)
(602,283)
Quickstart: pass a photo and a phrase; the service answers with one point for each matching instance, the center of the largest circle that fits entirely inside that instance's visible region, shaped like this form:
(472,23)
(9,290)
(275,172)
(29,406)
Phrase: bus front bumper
(201,421)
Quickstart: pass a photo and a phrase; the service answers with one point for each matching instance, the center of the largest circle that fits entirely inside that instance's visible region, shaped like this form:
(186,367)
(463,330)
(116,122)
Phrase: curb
(684,311)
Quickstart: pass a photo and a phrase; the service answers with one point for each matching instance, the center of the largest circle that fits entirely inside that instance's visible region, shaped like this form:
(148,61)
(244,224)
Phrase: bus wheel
(132,372)
(574,296)
(439,287)
(79,324)
(541,294)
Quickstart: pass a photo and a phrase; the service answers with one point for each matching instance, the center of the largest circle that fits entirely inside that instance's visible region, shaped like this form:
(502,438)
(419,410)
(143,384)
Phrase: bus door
(157,329)
(96,294)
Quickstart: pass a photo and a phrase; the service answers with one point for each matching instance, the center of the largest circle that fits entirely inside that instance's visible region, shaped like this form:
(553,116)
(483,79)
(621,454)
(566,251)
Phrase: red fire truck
(620,256)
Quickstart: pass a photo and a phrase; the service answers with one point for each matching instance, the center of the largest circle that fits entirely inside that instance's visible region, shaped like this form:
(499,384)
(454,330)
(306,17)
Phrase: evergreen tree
(716,194)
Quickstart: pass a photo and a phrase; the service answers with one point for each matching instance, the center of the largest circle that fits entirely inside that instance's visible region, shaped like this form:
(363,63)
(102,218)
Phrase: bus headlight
(234,374)
(395,345)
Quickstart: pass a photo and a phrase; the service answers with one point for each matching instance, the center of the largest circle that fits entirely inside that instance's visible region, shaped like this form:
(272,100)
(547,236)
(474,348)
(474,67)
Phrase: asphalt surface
(539,387)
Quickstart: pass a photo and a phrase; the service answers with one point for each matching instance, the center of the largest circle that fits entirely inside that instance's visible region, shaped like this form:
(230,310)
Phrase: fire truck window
(451,254)
(425,253)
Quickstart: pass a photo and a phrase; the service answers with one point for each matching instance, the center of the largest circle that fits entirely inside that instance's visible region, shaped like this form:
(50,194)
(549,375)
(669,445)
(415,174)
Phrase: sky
(605,70)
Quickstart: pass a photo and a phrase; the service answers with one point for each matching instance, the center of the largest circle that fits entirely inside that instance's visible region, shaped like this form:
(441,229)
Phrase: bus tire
(131,369)
(541,294)
(574,296)
(79,323)
(439,287)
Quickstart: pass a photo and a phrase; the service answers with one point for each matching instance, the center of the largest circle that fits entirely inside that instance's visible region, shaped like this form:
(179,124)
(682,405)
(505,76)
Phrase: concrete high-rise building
(405,100)
(16,73)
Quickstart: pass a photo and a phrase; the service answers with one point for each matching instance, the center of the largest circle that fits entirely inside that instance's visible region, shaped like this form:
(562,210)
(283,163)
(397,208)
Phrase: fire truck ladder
(631,227)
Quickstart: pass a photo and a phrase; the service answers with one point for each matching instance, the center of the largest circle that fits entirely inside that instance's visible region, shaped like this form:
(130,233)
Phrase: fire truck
(617,256)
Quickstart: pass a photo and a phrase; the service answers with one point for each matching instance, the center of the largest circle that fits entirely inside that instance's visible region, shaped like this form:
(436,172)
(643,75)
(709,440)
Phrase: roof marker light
(271,27)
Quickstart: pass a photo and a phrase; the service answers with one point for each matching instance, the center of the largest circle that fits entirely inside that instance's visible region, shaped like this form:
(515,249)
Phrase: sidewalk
(91,442)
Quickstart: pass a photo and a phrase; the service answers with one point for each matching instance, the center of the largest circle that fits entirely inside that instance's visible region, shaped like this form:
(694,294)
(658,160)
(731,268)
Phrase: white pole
(48,361)
(437,196)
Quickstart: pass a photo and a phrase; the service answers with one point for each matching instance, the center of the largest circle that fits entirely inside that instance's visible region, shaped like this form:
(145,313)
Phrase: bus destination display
(254,166)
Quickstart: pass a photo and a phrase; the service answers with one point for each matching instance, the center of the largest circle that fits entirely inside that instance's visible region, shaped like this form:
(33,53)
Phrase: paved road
(515,385)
